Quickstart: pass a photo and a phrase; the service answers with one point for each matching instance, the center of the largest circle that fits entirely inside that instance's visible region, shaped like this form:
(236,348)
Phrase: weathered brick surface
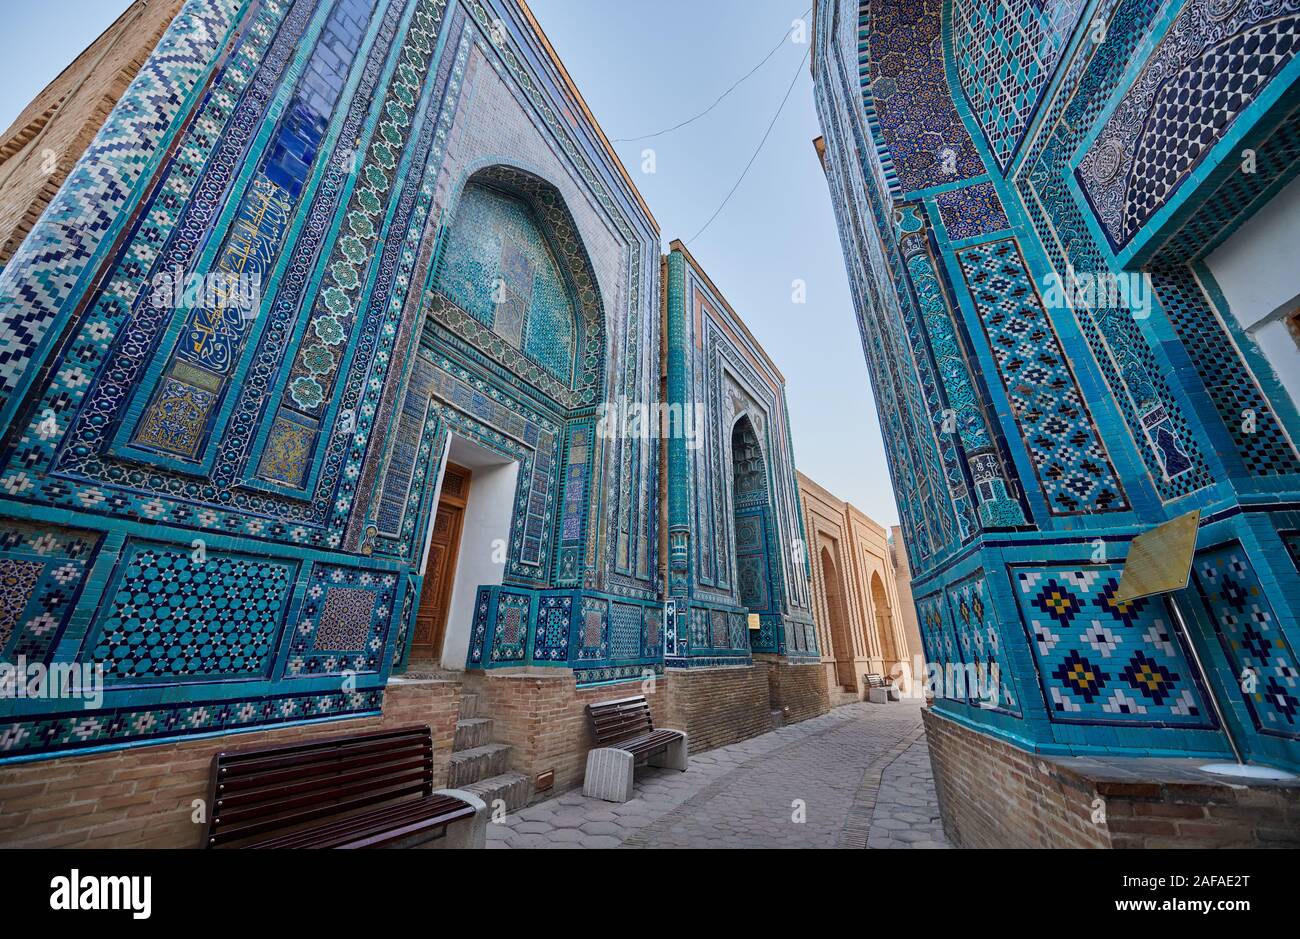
(994,795)
(719,706)
(144,797)
(541,714)
(798,691)
(39,149)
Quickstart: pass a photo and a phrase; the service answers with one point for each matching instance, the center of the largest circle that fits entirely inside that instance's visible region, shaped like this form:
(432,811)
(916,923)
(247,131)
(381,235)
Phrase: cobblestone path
(856,777)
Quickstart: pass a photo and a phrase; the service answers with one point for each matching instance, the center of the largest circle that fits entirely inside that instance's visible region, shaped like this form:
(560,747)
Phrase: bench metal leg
(609,775)
(672,758)
(468,832)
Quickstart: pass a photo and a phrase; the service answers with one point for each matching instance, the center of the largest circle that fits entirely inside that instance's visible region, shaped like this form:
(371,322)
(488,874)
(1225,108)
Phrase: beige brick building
(861,625)
(46,139)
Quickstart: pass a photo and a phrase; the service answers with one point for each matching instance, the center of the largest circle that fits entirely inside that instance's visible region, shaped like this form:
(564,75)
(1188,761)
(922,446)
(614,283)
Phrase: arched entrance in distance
(749,487)
(884,623)
(837,610)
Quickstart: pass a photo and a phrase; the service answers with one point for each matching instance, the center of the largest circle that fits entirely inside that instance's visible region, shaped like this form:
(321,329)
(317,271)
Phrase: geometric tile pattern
(1261,441)
(1215,59)
(1252,637)
(499,268)
(625,631)
(982,644)
(339,305)
(943,655)
(554,619)
(1177,79)
(752,571)
(1136,380)
(1068,455)
(971,211)
(176,615)
(719,634)
(17,582)
(38,281)
(889,178)
(85,729)
(513,233)
(652,619)
(288,445)
(569,628)
(43,569)
(1103,662)
(122,323)
(1220,211)
(927,141)
(965,407)
(344,622)
(1006,52)
(593,629)
(510,635)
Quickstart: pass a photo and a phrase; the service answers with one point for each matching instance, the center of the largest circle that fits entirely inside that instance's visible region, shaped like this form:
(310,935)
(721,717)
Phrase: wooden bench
(350,791)
(625,735)
(880,690)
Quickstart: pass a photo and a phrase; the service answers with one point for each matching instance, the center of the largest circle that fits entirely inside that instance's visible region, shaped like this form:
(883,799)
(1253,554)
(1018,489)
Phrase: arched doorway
(837,610)
(751,508)
(514,300)
(884,623)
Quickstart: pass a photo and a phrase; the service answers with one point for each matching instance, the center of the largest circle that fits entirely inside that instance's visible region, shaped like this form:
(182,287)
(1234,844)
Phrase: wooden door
(440,572)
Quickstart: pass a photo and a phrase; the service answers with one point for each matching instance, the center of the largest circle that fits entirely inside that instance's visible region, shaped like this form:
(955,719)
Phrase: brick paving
(856,777)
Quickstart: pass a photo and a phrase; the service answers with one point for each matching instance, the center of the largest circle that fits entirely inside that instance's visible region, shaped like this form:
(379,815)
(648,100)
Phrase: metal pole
(1205,678)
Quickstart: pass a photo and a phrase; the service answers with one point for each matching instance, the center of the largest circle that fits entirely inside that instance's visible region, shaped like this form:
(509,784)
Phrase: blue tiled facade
(735,529)
(979,153)
(225,499)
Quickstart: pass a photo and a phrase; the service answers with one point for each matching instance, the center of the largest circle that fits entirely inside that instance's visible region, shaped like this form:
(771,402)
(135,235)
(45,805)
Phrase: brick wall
(39,149)
(718,706)
(994,795)
(143,797)
(541,713)
(798,691)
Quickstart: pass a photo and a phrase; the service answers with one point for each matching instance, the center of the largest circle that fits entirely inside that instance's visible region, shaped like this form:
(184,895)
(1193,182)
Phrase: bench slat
(651,743)
(627,724)
(380,826)
(238,765)
(297,818)
(287,798)
(616,722)
(271,796)
(229,788)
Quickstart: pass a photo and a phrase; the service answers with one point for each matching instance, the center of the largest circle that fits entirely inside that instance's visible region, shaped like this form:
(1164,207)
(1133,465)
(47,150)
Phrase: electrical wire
(721,97)
(761,144)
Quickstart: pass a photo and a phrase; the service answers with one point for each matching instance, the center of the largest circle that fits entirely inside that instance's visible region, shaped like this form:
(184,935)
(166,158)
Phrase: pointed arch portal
(752,520)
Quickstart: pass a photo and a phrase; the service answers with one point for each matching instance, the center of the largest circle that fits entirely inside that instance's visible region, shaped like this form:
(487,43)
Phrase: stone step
(477,763)
(841,697)
(515,789)
(472,732)
(468,705)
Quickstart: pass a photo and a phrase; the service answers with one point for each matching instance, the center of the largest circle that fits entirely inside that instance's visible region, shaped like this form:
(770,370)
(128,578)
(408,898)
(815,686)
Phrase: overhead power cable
(759,150)
(721,97)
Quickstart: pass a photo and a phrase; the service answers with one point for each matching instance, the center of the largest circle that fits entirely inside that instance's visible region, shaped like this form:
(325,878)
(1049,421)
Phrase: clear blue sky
(643,67)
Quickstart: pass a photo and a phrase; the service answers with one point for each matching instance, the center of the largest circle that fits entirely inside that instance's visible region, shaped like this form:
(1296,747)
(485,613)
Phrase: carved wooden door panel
(440,572)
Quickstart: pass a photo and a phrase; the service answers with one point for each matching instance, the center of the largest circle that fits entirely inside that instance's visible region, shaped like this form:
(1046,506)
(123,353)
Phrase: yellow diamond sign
(1159,560)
